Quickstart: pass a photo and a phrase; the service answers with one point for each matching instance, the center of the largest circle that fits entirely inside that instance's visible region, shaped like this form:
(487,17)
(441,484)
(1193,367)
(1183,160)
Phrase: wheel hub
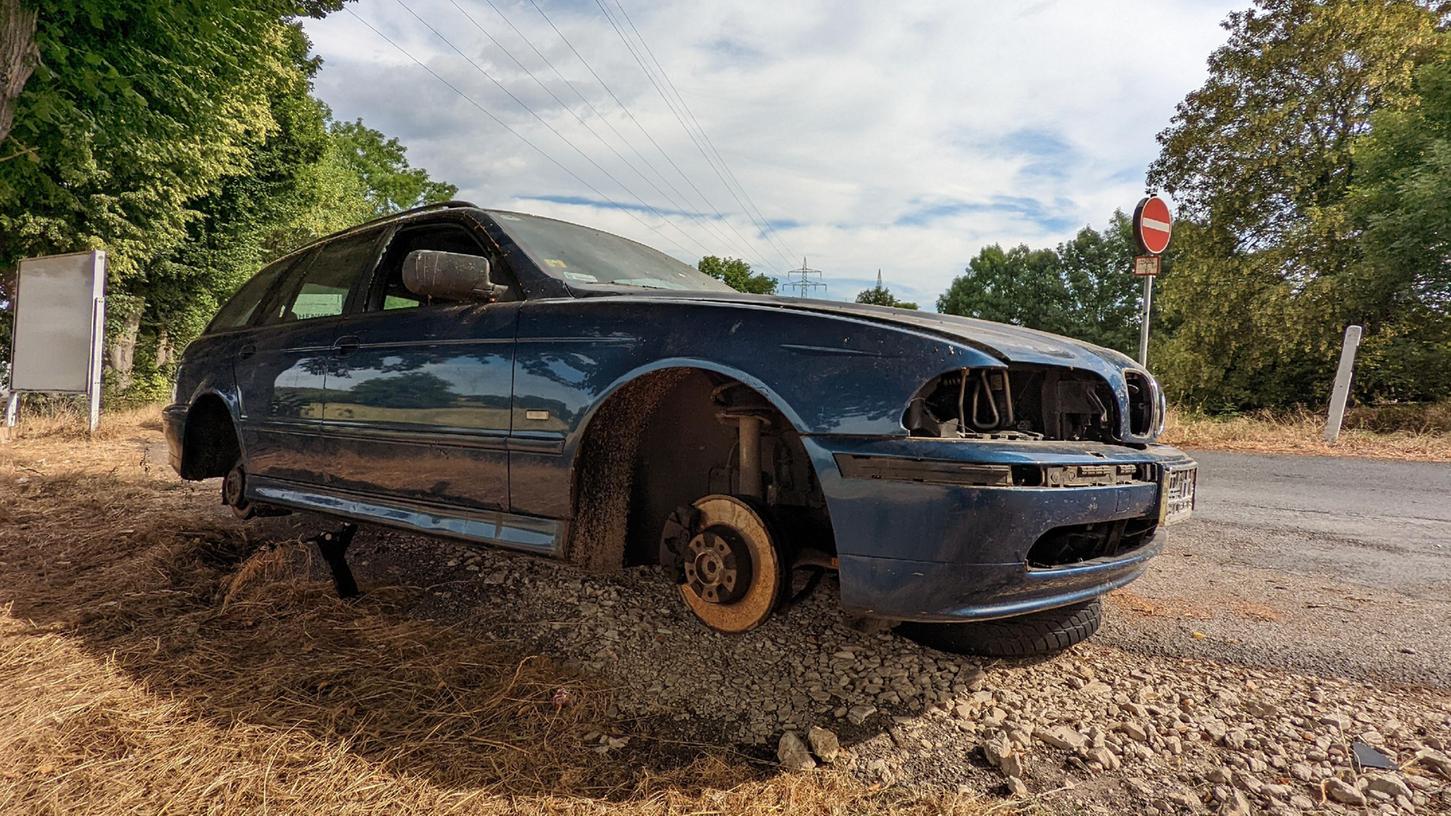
(233,488)
(718,565)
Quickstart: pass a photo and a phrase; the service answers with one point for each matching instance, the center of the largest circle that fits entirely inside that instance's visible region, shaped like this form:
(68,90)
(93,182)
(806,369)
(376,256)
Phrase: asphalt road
(1320,564)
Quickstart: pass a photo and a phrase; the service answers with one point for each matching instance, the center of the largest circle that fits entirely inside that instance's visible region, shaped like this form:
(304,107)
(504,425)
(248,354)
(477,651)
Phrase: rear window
(321,288)
(237,312)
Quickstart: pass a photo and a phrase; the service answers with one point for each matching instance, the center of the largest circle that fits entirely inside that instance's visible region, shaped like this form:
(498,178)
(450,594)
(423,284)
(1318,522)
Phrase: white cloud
(904,136)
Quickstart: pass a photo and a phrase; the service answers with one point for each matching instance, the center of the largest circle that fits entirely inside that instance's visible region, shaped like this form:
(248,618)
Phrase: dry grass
(157,658)
(1302,432)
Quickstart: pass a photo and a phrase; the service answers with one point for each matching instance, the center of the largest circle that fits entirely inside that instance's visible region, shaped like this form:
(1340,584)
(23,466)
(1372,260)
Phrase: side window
(237,312)
(388,290)
(320,288)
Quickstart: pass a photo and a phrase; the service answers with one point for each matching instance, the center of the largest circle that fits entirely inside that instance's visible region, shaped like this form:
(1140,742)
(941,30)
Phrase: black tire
(1041,633)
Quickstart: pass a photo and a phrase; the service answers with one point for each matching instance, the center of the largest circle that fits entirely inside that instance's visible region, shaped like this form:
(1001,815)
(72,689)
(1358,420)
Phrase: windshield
(580,255)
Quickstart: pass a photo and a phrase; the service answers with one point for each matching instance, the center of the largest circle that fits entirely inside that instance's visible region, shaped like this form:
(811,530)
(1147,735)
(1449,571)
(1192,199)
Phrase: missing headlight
(1019,402)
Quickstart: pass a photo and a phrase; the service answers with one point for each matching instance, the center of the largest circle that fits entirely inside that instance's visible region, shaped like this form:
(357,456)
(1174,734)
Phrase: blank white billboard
(56,339)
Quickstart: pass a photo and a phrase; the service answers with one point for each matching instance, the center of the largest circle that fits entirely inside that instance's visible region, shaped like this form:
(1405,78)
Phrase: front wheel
(1040,633)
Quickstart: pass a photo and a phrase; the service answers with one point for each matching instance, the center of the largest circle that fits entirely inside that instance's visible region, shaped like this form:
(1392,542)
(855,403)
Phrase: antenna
(804,280)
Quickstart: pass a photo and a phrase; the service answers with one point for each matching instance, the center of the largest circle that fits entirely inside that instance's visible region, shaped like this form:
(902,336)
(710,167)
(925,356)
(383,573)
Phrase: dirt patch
(1175,608)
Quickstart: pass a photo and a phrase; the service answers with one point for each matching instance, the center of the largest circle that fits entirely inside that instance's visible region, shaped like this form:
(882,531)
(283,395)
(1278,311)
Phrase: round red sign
(1153,224)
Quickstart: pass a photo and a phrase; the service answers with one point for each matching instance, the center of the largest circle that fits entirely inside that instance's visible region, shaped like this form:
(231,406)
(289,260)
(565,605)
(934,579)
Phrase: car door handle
(247,350)
(347,344)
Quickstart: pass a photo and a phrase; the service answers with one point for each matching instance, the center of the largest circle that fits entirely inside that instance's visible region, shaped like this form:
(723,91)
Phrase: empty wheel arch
(209,446)
(666,439)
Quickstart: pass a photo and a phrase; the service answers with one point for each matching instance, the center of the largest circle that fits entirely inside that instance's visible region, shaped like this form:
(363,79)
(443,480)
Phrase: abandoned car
(532,384)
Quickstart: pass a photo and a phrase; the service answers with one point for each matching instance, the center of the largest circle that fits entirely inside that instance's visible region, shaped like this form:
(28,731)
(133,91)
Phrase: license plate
(1178,497)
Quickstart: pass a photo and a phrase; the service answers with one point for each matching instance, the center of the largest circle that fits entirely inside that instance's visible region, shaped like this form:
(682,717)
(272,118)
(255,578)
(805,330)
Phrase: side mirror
(449,276)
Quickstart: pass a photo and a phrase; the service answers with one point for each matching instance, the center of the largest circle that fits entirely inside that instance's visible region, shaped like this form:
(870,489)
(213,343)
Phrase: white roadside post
(1341,392)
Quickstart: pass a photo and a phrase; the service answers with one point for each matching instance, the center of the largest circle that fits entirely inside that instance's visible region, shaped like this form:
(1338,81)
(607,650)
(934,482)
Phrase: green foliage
(880,295)
(1083,288)
(737,274)
(390,185)
(1401,203)
(184,140)
(1262,160)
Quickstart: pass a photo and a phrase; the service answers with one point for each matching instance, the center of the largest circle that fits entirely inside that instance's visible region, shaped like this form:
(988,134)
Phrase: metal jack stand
(334,548)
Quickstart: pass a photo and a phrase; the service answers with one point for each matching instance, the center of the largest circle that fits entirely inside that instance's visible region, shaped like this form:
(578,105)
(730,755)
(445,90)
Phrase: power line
(578,118)
(521,137)
(770,234)
(723,170)
(714,229)
(521,103)
(631,116)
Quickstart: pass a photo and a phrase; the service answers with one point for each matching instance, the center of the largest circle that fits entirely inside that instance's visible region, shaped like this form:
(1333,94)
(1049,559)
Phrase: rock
(792,753)
(1105,757)
(1188,799)
(1337,721)
(878,768)
(1236,739)
(858,714)
(1016,787)
(1435,760)
(1061,737)
(1302,802)
(823,743)
(1343,792)
(1001,755)
(1219,776)
(1302,772)
(1387,784)
(1133,731)
(1235,805)
(975,679)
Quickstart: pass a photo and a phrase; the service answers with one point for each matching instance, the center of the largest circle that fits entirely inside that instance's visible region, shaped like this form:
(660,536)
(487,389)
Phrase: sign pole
(1341,392)
(1144,326)
(1153,225)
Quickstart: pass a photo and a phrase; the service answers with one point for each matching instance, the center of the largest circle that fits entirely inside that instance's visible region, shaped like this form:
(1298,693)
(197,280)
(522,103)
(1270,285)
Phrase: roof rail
(442,205)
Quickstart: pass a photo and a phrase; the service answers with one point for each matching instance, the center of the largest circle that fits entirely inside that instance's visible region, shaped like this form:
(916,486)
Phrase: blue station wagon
(532,384)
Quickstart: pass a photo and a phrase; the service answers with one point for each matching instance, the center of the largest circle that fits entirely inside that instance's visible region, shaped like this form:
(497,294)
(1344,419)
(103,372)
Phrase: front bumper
(173,424)
(933,550)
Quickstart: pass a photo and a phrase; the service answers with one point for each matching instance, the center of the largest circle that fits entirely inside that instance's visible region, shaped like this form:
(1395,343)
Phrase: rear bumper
(173,424)
(933,550)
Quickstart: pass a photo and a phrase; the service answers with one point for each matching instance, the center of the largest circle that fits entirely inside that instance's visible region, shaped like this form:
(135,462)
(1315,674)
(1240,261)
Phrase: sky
(859,136)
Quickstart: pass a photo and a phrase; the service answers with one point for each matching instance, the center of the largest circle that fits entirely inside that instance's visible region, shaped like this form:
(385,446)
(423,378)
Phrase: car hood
(1011,344)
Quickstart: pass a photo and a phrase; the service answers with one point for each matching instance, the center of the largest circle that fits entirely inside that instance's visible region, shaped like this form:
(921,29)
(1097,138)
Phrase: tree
(1261,162)
(737,274)
(390,184)
(880,295)
(184,141)
(1400,203)
(1082,288)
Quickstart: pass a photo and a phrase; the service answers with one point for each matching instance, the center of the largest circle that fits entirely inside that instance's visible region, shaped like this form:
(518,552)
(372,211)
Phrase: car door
(418,398)
(281,368)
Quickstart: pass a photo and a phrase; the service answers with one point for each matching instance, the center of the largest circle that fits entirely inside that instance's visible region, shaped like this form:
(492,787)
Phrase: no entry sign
(1152,225)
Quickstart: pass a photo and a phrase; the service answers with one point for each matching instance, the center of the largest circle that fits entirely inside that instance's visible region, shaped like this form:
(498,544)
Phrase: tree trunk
(163,348)
(18,57)
(121,352)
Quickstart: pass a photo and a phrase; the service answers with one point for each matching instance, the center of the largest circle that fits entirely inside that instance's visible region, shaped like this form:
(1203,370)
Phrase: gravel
(1101,728)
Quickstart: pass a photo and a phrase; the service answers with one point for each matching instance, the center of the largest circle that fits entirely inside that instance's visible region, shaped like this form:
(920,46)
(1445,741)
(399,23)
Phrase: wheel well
(658,444)
(209,446)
